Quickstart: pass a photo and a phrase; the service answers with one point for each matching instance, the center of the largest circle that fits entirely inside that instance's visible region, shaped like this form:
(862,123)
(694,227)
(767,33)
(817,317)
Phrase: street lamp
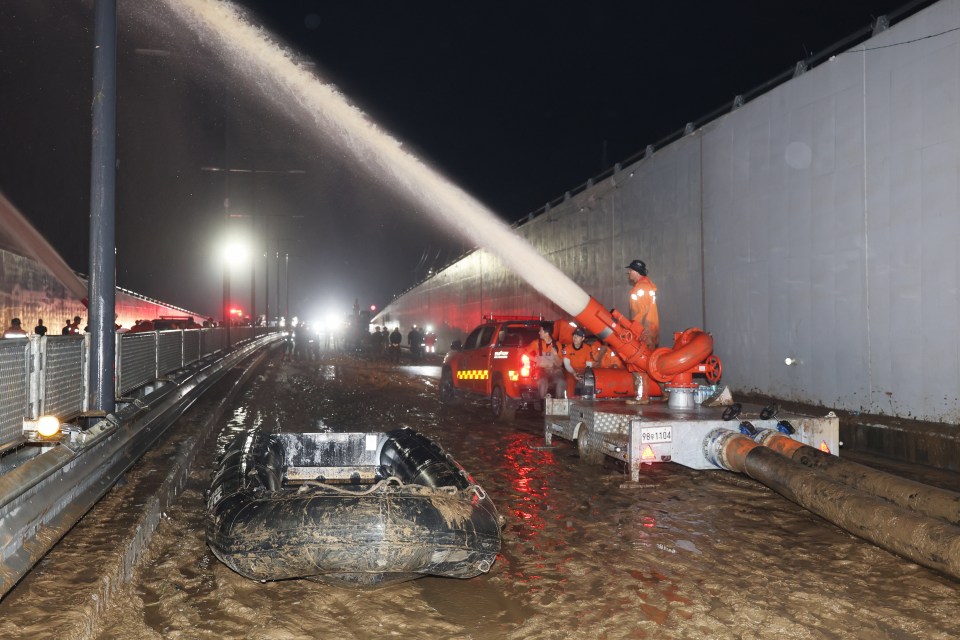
(232,252)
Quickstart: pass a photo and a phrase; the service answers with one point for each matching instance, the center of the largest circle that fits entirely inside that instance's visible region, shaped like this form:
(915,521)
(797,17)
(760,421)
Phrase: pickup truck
(491,363)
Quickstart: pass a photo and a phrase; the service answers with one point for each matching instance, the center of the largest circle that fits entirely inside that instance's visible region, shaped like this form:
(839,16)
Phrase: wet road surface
(585,553)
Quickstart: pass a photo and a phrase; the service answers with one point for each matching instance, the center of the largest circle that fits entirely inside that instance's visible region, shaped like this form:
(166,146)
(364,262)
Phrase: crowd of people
(16,330)
(71,327)
(388,344)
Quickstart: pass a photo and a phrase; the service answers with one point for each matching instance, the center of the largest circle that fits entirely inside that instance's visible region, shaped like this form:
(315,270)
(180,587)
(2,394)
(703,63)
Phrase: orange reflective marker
(648,453)
(824,447)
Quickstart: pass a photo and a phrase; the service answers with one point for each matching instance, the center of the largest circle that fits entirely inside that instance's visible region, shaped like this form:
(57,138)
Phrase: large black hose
(931,501)
(926,541)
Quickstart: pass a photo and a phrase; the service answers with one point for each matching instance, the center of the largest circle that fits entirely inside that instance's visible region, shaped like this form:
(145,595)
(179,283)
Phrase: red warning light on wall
(373,307)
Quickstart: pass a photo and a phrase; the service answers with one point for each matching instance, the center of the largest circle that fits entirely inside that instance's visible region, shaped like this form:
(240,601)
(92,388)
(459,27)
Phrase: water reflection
(328,372)
(425,370)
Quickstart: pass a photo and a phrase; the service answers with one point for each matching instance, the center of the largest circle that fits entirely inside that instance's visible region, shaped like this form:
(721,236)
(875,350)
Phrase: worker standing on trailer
(577,356)
(643,303)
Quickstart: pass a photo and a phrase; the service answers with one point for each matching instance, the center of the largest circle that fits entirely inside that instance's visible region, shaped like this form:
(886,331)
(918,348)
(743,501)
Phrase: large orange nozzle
(691,353)
(617,333)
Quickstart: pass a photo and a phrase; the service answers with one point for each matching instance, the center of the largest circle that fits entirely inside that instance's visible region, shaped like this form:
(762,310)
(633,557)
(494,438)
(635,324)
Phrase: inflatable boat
(355,509)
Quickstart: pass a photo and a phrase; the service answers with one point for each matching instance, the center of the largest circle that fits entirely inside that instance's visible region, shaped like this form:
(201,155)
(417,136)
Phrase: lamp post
(256,217)
(234,252)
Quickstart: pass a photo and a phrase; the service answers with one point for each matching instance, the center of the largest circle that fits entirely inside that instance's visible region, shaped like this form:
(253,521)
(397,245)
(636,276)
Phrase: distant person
(40,329)
(75,325)
(430,342)
(15,330)
(300,341)
(377,340)
(66,328)
(414,340)
(643,303)
(395,339)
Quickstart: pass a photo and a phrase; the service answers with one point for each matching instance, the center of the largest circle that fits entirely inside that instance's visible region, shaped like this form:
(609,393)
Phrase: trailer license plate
(656,435)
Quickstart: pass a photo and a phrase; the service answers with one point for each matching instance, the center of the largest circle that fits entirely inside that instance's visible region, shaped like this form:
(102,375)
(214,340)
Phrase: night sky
(517,102)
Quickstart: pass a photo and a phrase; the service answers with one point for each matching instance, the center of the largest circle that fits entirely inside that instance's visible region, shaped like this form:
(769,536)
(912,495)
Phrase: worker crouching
(577,357)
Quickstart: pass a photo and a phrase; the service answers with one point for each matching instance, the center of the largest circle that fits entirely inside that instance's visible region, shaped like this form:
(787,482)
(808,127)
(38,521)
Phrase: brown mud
(585,553)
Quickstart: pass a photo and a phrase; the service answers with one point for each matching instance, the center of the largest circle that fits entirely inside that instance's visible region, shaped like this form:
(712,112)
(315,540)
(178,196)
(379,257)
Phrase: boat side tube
(419,460)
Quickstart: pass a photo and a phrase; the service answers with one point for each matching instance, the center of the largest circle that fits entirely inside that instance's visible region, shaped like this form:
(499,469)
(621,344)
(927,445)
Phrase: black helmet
(580,332)
(639,266)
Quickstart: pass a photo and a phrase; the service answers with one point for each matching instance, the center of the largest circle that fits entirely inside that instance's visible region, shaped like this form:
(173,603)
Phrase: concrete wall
(817,222)
(29,292)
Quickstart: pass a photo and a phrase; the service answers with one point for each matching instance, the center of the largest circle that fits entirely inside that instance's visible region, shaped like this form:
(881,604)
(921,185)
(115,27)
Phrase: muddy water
(684,554)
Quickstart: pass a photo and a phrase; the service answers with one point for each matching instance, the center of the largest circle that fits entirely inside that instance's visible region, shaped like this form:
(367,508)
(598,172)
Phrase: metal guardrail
(49,375)
(14,388)
(42,497)
(60,368)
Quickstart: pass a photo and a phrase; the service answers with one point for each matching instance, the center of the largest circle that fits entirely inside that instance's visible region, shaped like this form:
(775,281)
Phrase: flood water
(585,553)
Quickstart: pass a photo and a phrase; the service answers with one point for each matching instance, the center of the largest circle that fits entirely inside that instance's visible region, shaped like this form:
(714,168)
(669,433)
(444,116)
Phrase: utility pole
(102,288)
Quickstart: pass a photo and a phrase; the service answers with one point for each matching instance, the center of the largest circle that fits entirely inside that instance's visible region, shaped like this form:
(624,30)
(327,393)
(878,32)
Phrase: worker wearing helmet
(577,357)
(643,303)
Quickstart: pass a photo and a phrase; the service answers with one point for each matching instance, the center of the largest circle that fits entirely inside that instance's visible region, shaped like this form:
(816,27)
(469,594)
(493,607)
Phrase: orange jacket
(579,357)
(546,356)
(643,309)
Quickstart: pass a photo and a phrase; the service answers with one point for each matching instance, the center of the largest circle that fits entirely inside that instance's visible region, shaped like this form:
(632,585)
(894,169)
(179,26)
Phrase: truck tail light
(525,366)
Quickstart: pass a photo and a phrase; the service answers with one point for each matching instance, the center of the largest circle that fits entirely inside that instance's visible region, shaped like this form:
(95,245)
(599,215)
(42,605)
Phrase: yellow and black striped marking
(473,374)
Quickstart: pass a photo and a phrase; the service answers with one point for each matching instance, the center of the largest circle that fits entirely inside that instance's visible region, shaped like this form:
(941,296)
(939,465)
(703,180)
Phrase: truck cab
(492,363)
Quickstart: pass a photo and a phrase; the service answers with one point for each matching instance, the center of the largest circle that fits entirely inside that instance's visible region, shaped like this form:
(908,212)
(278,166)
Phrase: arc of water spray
(35,246)
(279,77)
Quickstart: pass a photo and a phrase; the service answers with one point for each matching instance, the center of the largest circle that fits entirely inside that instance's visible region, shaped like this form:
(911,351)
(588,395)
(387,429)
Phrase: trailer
(646,433)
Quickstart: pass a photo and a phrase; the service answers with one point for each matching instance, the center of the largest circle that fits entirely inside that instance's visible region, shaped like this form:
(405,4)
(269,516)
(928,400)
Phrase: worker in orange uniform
(607,358)
(643,303)
(545,352)
(577,357)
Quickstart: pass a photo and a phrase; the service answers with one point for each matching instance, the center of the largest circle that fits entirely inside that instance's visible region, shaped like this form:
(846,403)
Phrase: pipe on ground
(926,541)
(930,501)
